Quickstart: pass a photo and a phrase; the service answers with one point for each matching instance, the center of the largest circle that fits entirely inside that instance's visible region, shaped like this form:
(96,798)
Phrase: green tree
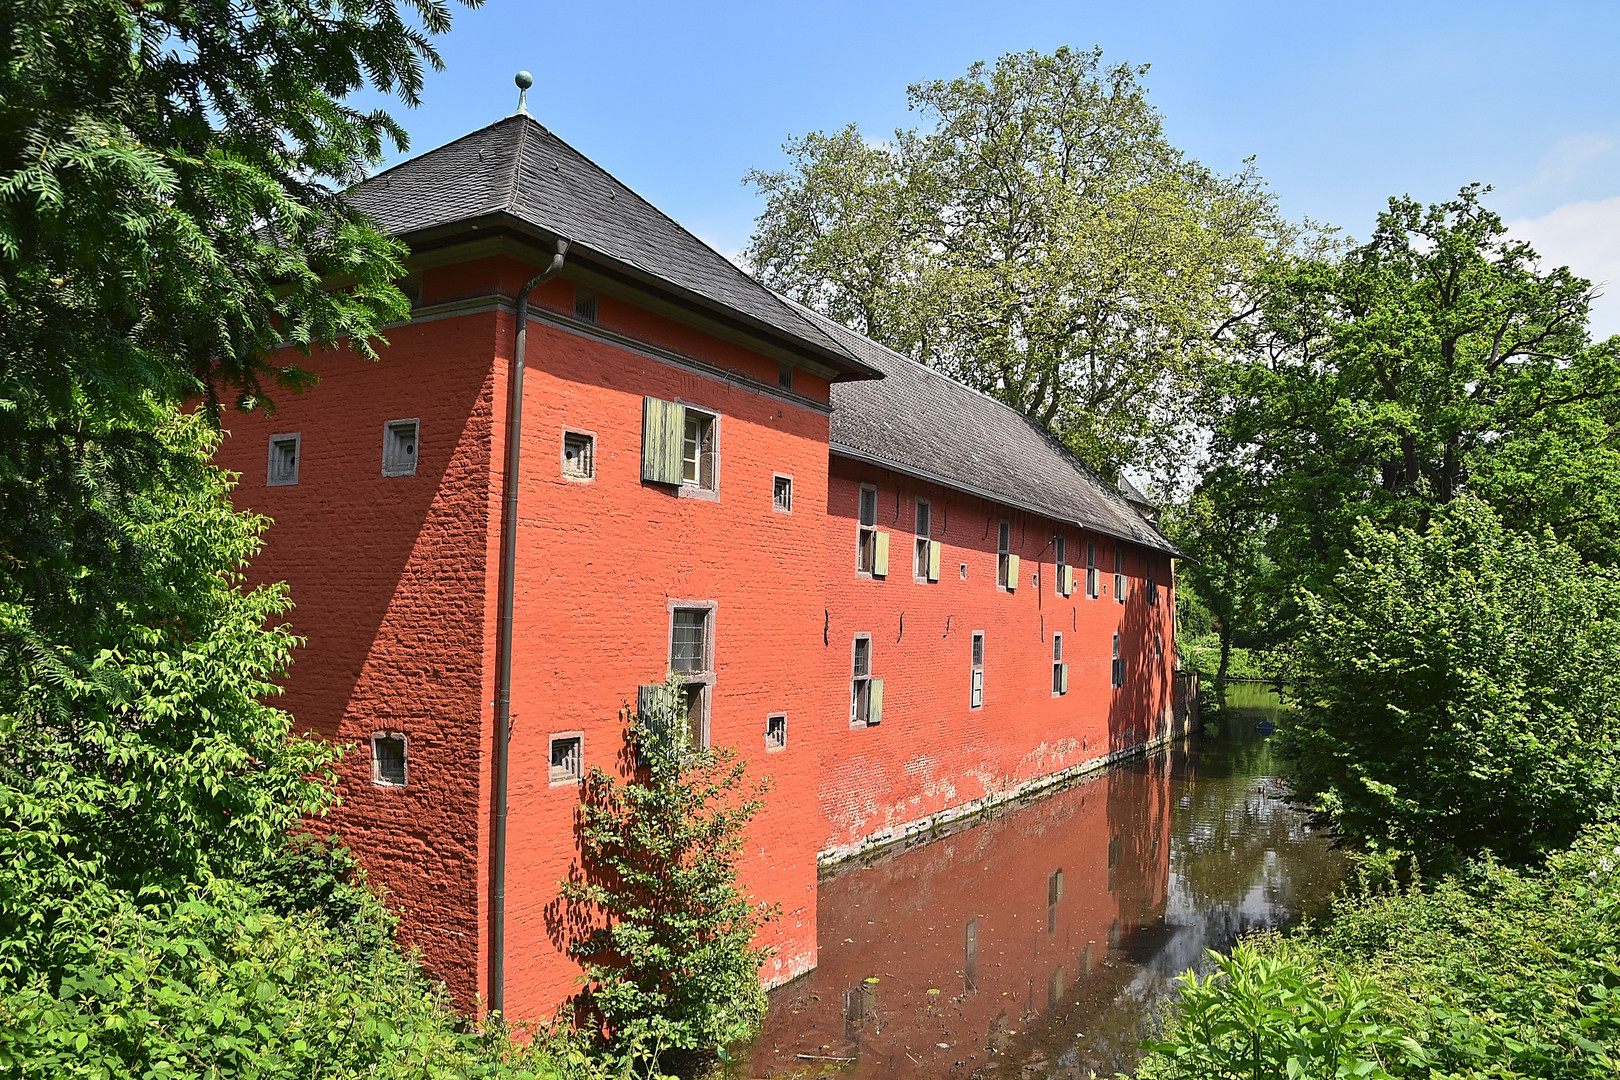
(656,914)
(1042,241)
(1436,359)
(1459,690)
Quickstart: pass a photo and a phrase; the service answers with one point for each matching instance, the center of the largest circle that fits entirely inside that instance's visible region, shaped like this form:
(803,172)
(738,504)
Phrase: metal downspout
(503,654)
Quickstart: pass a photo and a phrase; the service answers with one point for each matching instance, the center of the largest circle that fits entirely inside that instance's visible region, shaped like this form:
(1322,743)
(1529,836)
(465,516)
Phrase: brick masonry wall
(389,578)
(932,753)
(599,564)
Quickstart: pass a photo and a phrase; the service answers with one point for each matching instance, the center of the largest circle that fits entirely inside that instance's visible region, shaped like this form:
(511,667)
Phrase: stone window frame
(297,440)
(703,679)
(572,780)
(775,504)
(695,489)
(405,760)
(562,455)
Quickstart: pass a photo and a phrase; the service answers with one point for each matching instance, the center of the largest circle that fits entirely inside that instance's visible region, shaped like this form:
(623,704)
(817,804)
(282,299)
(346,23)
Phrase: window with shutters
(578,455)
(1091,570)
(567,758)
(865,692)
(283,467)
(388,765)
(1004,571)
(976,678)
(1060,670)
(1119,574)
(698,450)
(399,447)
(1117,672)
(1060,556)
(866,532)
(924,544)
(775,732)
(782,493)
(691,660)
(1152,583)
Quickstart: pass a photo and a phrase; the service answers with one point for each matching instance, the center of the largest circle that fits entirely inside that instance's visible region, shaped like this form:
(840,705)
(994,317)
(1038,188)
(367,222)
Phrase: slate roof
(917,421)
(516,172)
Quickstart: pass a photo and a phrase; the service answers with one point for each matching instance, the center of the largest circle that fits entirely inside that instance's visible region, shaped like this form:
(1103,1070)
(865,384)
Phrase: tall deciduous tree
(1436,359)
(1042,240)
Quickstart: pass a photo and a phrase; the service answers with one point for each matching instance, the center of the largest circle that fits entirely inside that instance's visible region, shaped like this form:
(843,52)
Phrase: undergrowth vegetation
(1490,974)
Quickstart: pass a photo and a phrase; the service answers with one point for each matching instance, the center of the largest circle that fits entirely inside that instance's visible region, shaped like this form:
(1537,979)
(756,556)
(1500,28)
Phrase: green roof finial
(524,80)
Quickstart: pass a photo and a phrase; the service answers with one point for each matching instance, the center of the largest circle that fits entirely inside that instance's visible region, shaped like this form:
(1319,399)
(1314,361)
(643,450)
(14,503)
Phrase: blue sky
(1342,104)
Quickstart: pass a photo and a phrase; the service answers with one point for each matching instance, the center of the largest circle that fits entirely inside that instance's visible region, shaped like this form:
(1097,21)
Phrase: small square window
(388,759)
(775,732)
(782,494)
(283,469)
(784,376)
(399,448)
(579,455)
(567,759)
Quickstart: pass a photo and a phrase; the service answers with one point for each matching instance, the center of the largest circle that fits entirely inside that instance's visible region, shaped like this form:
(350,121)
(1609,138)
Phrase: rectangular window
(579,455)
(697,451)
(1152,584)
(1118,670)
(399,447)
(775,732)
(782,494)
(584,305)
(388,759)
(1091,570)
(689,641)
(924,548)
(1119,575)
(1060,670)
(1003,559)
(976,680)
(865,692)
(784,376)
(866,531)
(283,468)
(1060,556)
(567,759)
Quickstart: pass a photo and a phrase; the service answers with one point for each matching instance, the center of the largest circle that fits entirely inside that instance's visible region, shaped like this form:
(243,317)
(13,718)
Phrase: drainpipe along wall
(503,654)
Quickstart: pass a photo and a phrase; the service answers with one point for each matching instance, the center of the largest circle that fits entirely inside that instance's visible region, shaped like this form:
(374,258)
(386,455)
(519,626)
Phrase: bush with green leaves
(1459,690)
(1492,973)
(666,935)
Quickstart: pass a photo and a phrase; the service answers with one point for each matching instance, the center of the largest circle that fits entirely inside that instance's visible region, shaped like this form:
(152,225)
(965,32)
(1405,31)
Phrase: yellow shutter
(663,426)
(1067,581)
(880,565)
(1012,572)
(1063,679)
(874,709)
(934,550)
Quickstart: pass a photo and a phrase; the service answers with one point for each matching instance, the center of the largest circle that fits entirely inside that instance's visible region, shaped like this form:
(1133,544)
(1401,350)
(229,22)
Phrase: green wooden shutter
(663,425)
(1063,679)
(874,708)
(934,550)
(1012,572)
(880,565)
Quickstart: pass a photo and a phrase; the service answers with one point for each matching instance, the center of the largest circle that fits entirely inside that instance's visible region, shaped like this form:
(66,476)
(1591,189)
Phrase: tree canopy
(1041,240)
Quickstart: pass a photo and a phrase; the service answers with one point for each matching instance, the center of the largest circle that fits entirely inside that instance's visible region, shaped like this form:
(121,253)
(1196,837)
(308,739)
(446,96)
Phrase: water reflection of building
(945,952)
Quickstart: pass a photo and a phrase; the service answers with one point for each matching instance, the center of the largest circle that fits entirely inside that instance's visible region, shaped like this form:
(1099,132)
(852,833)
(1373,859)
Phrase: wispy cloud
(1585,236)
(1571,159)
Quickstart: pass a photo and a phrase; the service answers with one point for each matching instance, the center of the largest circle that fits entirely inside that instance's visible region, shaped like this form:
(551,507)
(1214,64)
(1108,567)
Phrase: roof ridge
(517,163)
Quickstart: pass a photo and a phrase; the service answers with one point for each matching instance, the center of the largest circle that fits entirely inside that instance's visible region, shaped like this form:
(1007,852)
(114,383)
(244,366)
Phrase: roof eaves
(855,454)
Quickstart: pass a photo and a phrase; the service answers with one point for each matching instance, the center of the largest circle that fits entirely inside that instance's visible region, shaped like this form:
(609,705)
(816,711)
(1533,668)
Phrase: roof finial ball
(524,80)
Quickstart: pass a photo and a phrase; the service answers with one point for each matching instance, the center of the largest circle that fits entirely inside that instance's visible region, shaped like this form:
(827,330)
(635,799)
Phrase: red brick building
(875,582)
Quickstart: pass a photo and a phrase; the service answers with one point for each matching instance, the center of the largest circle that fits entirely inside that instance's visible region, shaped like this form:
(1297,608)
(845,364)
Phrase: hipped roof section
(924,424)
(892,411)
(518,175)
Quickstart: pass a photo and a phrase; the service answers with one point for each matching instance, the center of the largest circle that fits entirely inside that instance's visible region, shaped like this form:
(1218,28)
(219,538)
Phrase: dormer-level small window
(784,376)
(584,305)
(283,468)
(399,447)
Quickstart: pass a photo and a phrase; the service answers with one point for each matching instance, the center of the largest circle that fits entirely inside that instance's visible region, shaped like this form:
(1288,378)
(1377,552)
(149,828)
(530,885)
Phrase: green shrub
(666,935)
(1493,973)
(1459,690)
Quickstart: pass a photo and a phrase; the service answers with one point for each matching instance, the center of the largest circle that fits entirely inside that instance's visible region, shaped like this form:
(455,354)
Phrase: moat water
(1043,940)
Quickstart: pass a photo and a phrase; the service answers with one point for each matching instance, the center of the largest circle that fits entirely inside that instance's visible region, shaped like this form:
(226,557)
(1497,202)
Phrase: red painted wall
(389,578)
(932,752)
